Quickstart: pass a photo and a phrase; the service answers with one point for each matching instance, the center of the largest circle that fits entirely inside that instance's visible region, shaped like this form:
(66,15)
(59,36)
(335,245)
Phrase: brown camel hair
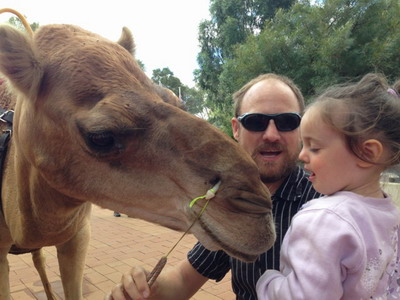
(90,127)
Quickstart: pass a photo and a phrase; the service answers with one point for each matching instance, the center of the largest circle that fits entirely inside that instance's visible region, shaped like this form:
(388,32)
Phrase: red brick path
(115,246)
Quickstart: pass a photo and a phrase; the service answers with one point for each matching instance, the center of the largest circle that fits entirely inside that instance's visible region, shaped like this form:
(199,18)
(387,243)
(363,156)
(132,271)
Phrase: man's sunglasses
(259,122)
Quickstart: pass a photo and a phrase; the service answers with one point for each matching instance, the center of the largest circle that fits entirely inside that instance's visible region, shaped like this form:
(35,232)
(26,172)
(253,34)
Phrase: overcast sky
(165,31)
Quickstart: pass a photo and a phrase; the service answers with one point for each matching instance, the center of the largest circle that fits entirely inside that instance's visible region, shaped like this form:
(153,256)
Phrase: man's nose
(271,134)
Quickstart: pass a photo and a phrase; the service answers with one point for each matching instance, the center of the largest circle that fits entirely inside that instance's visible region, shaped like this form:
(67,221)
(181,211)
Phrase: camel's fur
(90,127)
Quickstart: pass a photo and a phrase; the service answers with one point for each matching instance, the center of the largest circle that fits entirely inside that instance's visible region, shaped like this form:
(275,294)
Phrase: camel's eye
(101,141)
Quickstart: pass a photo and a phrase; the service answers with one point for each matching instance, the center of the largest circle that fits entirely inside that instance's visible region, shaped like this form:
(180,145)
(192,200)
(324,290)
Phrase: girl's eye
(314,150)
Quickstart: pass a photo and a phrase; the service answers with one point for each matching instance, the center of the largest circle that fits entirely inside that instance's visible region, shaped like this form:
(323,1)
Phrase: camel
(90,127)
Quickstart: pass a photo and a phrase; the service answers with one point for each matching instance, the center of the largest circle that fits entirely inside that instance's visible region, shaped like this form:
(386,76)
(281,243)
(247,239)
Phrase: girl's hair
(360,111)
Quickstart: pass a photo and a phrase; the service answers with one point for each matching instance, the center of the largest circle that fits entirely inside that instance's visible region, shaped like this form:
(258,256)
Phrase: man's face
(275,152)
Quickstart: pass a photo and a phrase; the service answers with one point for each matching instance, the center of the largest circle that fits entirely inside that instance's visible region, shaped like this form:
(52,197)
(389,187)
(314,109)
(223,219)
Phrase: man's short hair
(239,95)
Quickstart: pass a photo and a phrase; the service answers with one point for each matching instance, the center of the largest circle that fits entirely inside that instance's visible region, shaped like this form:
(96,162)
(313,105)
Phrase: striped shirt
(288,199)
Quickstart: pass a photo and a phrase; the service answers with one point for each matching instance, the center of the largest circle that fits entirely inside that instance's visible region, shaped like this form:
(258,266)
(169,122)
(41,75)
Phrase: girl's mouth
(311,174)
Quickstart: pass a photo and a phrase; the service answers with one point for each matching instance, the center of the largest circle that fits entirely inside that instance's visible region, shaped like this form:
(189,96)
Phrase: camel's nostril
(215,180)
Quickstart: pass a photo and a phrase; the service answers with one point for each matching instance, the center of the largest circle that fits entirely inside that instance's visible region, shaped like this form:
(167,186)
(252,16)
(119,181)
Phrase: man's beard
(271,172)
(269,175)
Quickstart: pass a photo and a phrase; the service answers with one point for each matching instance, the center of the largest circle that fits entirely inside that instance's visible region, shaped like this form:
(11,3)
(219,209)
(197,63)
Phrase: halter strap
(6,116)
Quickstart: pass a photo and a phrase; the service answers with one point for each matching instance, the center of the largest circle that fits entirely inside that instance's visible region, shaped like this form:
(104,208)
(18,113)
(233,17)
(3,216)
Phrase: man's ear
(235,128)
(372,150)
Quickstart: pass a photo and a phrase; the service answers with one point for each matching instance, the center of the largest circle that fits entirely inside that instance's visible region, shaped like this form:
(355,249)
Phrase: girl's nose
(302,155)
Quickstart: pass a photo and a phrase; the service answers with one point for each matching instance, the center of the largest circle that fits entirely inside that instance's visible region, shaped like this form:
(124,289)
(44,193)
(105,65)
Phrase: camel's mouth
(238,222)
(235,252)
(239,249)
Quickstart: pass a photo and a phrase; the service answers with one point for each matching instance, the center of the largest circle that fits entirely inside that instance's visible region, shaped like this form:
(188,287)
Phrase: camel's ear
(372,150)
(169,96)
(126,40)
(18,61)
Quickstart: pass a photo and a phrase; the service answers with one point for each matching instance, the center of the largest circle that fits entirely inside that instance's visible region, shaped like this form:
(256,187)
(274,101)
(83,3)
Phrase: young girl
(346,244)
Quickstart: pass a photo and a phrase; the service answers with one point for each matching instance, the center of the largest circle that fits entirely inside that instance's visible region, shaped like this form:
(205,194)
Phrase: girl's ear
(372,150)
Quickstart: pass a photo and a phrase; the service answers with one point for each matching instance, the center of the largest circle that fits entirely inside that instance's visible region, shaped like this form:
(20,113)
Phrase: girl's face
(326,156)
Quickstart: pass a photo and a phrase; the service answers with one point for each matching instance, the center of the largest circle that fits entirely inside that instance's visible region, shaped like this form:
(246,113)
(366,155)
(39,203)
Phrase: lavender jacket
(343,246)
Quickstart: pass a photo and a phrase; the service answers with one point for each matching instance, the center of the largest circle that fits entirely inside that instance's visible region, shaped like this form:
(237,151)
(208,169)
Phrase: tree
(16,22)
(316,45)
(166,78)
(232,22)
(141,65)
(193,98)
(194,101)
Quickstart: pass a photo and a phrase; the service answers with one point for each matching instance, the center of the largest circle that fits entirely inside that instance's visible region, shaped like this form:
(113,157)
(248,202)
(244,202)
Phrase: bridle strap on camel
(7,117)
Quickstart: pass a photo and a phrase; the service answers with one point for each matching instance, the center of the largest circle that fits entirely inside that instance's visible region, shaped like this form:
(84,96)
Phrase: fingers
(108,297)
(135,283)
(133,286)
(118,293)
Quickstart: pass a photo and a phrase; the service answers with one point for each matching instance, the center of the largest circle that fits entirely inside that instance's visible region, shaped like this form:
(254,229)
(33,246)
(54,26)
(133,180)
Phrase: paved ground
(115,246)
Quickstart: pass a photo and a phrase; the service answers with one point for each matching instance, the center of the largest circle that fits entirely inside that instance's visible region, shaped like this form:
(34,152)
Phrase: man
(266,125)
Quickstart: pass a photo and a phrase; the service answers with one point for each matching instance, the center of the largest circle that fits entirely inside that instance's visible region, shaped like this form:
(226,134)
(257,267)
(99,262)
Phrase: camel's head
(90,124)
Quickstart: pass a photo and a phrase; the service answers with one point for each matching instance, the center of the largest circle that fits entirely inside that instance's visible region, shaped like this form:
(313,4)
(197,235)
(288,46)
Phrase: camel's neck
(34,209)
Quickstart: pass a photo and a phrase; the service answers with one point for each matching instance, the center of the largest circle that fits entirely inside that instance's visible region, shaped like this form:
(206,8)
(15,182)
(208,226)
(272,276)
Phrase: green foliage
(210,58)
(232,22)
(316,45)
(166,78)
(192,97)
(194,101)
(16,22)
(141,65)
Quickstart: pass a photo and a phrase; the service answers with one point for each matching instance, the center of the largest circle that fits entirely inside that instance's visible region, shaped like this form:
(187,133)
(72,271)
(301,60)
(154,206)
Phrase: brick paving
(116,245)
